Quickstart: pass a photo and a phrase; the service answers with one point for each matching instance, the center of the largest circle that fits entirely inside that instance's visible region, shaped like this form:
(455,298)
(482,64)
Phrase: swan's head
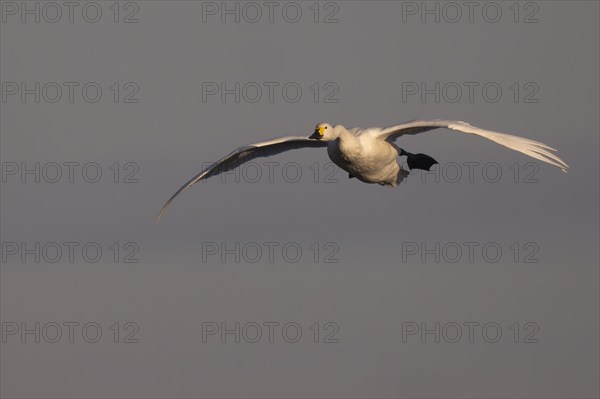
(324,132)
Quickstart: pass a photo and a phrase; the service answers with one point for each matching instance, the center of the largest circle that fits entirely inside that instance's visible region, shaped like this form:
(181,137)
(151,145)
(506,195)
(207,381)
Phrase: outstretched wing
(243,155)
(534,149)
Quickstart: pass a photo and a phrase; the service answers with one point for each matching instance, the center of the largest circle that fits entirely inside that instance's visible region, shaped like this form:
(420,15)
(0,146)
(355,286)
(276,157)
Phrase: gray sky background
(372,292)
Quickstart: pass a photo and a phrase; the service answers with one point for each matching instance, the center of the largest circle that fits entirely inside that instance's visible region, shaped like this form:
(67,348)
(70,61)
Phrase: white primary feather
(243,155)
(534,149)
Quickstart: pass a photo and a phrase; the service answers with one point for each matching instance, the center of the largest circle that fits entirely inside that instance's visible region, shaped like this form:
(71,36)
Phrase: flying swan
(369,154)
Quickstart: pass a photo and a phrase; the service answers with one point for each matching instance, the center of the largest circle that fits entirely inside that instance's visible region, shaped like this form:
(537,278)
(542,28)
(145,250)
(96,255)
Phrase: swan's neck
(343,134)
(347,141)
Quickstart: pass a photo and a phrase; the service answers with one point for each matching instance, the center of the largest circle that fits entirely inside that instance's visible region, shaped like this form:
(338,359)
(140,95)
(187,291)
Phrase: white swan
(369,154)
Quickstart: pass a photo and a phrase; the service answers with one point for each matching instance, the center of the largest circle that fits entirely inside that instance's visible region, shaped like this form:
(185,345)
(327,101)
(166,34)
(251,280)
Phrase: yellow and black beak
(318,134)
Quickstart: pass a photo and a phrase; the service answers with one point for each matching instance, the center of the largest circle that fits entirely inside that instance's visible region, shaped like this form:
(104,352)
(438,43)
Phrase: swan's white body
(363,156)
(367,154)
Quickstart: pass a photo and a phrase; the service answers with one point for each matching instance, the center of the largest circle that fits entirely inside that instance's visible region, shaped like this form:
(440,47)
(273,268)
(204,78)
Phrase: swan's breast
(368,160)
